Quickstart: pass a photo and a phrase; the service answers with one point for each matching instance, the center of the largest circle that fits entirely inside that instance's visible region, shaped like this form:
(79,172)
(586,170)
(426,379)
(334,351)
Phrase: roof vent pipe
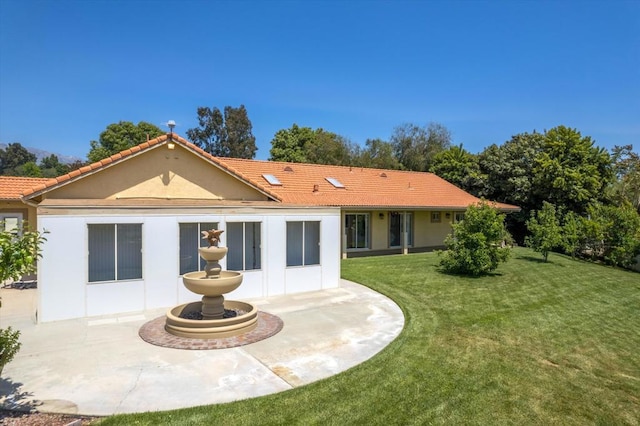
(316,188)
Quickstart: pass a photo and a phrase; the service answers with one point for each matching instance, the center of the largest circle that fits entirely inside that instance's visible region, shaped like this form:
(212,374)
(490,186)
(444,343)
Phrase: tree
(228,135)
(13,156)
(305,145)
(570,172)
(478,244)
(19,252)
(377,154)
(572,234)
(415,146)
(612,233)
(626,169)
(29,169)
(461,168)
(120,136)
(52,167)
(544,230)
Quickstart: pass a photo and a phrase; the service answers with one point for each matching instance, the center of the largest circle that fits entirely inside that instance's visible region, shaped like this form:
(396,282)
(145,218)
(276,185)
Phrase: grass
(535,343)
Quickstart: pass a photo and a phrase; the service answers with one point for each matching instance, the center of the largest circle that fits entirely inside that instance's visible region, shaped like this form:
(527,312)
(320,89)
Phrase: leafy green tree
(460,167)
(544,230)
(572,234)
(228,135)
(571,172)
(626,167)
(14,156)
(52,167)
(29,169)
(415,147)
(19,252)
(478,244)
(289,144)
(120,136)
(612,233)
(328,148)
(9,345)
(377,154)
(305,145)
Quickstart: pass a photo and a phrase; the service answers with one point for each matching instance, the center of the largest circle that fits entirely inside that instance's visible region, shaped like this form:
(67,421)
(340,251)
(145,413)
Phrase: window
(272,180)
(303,243)
(458,216)
(190,241)
(115,252)
(357,229)
(243,240)
(335,182)
(11,222)
(396,227)
(435,217)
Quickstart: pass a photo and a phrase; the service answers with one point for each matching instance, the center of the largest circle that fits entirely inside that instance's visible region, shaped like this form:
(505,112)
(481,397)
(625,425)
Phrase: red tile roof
(307,184)
(13,187)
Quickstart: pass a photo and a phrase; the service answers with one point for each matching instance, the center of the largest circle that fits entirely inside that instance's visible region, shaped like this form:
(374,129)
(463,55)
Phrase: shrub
(9,345)
(19,252)
(478,243)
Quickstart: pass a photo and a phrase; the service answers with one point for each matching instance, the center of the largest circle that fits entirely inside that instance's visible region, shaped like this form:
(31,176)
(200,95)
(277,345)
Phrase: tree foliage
(52,167)
(377,154)
(545,233)
(19,252)
(478,243)
(224,135)
(9,345)
(120,136)
(570,171)
(626,169)
(305,145)
(13,157)
(415,147)
(461,168)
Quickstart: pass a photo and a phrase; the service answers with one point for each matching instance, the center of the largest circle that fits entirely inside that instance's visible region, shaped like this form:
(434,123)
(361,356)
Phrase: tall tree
(228,135)
(571,172)
(289,144)
(120,136)
(14,156)
(415,146)
(460,167)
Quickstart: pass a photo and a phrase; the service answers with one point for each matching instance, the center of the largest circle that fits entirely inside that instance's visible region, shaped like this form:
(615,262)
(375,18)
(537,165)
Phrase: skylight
(272,180)
(335,182)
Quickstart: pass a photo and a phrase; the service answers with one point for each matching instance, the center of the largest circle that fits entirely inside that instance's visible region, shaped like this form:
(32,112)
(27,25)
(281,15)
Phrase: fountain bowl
(198,282)
(211,329)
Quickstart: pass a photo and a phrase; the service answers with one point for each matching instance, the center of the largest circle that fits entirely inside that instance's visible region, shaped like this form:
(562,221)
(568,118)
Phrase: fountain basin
(214,328)
(198,282)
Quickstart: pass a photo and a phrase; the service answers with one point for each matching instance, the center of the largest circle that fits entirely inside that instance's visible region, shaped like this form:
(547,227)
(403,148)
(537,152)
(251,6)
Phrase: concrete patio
(100,366)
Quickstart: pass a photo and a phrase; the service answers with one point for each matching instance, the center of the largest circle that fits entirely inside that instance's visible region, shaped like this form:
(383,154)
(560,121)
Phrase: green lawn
(535,343)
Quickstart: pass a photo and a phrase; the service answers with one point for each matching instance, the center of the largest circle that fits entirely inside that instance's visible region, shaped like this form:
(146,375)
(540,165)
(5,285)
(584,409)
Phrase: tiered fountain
(213,317)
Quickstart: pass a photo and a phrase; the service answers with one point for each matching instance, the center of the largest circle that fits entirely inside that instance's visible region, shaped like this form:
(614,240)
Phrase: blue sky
(485,69)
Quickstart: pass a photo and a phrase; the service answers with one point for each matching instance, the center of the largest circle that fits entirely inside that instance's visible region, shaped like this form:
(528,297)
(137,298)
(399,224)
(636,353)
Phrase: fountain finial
(212,236)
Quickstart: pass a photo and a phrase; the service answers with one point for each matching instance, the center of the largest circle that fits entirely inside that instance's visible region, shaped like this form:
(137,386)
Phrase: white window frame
(304,243)
(115,249)
(244,242)
(6,215)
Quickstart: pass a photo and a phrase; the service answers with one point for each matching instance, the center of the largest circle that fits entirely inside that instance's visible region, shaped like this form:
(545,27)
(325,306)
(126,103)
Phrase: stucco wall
(160,173)
(64,292)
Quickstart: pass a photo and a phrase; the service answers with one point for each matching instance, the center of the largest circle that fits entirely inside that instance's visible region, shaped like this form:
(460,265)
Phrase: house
(123,230)
(12,210)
